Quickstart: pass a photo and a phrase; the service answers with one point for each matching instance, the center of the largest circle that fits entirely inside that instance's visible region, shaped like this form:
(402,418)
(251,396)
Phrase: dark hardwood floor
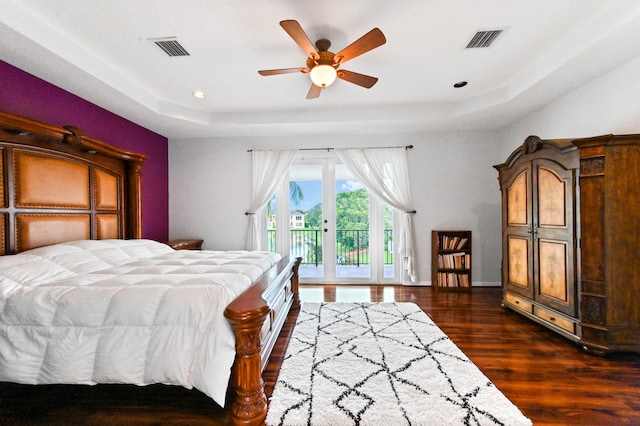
(549,378)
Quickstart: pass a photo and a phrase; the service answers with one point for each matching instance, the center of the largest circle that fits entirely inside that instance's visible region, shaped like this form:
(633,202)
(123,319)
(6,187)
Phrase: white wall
(453,186)
(609,104)
(453,183)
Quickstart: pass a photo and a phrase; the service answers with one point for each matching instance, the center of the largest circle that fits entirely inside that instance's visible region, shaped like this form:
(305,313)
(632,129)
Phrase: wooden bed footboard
(257,316)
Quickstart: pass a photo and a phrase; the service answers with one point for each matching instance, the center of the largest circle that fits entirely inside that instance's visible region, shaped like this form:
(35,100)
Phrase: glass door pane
(352,226)
(306,231)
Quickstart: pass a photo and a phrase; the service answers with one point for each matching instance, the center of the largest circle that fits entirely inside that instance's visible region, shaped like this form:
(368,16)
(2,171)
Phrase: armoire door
(517,268)
(554,236)
(539,236)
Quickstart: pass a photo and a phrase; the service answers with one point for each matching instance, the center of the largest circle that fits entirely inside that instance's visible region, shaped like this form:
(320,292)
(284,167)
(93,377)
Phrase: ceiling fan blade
(281,71)
(314,92)
(356,78)
(298,35)
(367,42)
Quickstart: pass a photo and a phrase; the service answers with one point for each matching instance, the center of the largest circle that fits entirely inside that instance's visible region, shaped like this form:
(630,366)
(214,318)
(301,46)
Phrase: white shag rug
(381,364)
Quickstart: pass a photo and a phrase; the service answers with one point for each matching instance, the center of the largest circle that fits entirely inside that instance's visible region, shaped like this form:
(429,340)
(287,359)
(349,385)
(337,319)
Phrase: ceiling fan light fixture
(323,75)
(322,65)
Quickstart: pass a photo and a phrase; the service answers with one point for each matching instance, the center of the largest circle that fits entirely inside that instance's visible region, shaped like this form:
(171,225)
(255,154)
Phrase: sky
(312,191)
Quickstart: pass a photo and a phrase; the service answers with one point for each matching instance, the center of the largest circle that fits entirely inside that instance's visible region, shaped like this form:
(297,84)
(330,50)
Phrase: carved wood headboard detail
(58,185)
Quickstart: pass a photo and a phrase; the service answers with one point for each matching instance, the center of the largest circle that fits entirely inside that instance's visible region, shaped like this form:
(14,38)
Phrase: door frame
(328,160)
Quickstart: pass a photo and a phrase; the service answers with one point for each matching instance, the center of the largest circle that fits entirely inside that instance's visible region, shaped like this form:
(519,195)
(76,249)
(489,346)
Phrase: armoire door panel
(553,270)
(554,188)
(518,266)
(552,207)
(517,201)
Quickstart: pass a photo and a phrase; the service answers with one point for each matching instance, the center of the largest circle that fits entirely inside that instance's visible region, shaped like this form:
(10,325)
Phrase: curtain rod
(366,147)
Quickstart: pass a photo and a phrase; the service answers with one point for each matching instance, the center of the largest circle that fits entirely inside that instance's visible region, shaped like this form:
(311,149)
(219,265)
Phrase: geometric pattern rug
(381,364)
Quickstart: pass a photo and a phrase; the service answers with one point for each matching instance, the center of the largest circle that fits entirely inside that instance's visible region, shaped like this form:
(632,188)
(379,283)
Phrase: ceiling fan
(322,65)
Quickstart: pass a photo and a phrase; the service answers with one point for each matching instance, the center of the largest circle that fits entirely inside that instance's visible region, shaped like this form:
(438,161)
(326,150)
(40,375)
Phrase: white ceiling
(100,50)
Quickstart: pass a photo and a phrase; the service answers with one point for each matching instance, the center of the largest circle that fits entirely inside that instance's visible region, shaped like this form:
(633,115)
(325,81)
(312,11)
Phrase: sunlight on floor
(350,293)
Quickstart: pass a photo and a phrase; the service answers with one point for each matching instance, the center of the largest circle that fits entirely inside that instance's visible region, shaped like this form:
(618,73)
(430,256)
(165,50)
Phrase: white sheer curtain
(269,168)
(385,173)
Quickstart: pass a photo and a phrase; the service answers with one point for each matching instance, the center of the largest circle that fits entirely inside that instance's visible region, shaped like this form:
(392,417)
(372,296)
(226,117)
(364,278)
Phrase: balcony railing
(352,246)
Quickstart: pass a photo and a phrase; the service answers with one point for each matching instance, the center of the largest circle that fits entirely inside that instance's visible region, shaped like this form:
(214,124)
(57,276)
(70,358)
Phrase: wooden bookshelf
(451,260)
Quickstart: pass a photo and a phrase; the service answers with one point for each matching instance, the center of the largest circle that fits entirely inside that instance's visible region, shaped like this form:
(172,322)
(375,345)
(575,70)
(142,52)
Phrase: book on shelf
(451,279)
(452,242)
(459,260)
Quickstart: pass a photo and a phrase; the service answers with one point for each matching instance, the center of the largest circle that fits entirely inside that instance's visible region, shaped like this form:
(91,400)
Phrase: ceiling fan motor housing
(325,58)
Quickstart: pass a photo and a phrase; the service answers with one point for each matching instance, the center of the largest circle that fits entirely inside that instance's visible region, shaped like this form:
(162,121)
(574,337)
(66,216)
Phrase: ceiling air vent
(170,45)
(483,39)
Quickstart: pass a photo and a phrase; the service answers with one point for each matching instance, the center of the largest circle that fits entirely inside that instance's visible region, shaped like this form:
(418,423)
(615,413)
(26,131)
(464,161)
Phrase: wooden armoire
(571,238)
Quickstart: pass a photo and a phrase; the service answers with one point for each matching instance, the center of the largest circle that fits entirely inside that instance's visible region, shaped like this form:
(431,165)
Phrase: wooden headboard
(57,185)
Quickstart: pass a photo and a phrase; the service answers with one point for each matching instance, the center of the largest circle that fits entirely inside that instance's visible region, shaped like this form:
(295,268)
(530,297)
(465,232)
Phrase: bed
(84,299)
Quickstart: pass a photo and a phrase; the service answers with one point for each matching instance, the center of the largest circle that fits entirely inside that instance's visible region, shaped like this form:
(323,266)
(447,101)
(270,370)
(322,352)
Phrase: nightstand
(185,244)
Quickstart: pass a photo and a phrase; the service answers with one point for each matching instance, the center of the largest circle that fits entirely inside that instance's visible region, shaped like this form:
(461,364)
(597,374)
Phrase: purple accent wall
(26,95)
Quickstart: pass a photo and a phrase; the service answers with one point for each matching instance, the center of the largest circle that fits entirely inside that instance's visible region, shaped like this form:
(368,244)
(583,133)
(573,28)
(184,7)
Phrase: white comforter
(122,311)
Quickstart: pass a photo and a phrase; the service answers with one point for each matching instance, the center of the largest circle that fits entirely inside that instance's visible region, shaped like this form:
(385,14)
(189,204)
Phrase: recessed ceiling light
(460,84)
(199,94)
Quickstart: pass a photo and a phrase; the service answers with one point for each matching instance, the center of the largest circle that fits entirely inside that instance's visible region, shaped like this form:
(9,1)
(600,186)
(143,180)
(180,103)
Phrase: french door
(342,234)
